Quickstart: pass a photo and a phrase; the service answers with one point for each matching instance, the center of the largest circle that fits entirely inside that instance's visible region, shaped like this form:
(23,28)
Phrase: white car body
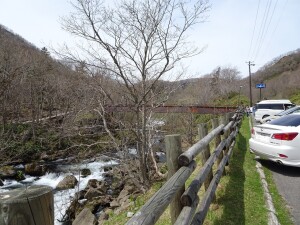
(278,140)
(267,108)
(295,109)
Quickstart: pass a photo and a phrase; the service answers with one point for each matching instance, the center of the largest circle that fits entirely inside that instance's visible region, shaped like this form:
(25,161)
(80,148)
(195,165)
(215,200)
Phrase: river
(62,199)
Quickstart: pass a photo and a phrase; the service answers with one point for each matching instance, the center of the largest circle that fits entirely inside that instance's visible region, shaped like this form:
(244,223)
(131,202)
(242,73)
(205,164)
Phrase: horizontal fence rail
(155,206)
(192,210)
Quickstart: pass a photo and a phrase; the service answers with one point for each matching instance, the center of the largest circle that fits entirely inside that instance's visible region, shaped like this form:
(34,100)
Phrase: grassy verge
(239,197)
(121,218)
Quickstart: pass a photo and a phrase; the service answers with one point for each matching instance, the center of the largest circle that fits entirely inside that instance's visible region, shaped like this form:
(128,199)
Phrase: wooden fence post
(224,120)
(27,206)
(203,131)
(215,123)
(173,150)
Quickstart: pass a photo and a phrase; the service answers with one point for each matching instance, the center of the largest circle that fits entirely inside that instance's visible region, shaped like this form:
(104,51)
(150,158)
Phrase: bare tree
(12,67)
(224,81)
(139,42)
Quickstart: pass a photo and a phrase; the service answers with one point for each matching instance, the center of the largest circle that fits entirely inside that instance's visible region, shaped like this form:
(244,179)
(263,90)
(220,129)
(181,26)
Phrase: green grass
(239,198)
(121,218)
(295,98)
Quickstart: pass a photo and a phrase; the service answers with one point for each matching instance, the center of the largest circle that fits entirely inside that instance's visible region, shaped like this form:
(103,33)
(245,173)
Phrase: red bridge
(178,109)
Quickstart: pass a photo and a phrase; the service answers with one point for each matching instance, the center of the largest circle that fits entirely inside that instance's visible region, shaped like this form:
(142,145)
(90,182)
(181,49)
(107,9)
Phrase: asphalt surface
(287,180)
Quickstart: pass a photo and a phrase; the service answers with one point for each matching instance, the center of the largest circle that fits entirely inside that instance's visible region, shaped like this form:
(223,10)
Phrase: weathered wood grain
(228,126)
(203,131)
(205,203)
(192,191)
(153,209)
(215,122)
(173,151)
(187,213)
(27,206)
(186,157)
(157,204)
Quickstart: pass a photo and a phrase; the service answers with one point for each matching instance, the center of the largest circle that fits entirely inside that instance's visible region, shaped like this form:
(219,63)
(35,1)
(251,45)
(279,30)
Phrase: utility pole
(250,86)
(239,102)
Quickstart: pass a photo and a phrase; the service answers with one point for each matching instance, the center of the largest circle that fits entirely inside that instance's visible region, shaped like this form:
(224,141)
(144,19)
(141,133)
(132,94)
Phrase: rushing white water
(62,199)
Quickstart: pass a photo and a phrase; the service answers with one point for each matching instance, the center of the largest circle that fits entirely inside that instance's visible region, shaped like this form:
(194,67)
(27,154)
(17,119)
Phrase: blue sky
(226,35)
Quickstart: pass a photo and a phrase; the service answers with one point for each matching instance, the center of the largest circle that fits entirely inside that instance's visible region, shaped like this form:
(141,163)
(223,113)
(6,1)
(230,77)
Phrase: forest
(56,104)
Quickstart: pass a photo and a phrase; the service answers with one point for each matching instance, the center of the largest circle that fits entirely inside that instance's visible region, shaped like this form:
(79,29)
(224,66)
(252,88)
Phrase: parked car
(267,108)
(278,140)
(295,109)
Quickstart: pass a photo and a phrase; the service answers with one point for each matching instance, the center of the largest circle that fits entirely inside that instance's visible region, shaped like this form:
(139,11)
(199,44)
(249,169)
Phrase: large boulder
(114,193)
(85,172)
(107,168)
(122,201)
(85,217)
(68,182)
(100,201)
(8,172)
(35,169)
(92,183)
(102,218)
(95,188)
(92,193)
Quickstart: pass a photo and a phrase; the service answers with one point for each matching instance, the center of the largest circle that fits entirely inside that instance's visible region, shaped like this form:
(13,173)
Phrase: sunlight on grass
(239,196)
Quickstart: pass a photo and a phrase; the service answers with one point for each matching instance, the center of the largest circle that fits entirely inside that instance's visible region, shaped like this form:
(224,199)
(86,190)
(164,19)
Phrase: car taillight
(285,136)
(282,156)
(252,131)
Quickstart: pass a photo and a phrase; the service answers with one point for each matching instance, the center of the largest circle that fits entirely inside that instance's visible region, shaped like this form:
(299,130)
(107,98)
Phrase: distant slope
(11,37)
(281,76)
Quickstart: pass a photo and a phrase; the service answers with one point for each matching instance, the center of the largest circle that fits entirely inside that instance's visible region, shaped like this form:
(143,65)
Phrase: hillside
(281,76)
(35,86)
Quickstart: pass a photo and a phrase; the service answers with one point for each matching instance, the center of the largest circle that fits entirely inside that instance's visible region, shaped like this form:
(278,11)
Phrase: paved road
(287,180)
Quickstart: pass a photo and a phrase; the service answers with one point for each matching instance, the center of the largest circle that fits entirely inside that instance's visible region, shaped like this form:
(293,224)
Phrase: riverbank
(239,197)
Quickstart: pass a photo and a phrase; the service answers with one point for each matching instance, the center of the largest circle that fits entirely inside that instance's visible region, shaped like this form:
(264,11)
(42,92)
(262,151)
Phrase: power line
(262,27)
(257,10)
(275,29)
(264,35)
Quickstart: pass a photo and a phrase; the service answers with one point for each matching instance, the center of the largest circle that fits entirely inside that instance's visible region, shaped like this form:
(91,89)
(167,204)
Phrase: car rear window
(289,111)
(270,106)
(292,120)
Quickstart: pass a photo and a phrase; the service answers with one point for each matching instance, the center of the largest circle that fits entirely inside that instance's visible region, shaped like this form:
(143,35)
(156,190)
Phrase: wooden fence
(27,206)
(185,205)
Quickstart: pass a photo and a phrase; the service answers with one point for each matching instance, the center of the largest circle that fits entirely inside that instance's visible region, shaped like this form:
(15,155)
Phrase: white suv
(267,108)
